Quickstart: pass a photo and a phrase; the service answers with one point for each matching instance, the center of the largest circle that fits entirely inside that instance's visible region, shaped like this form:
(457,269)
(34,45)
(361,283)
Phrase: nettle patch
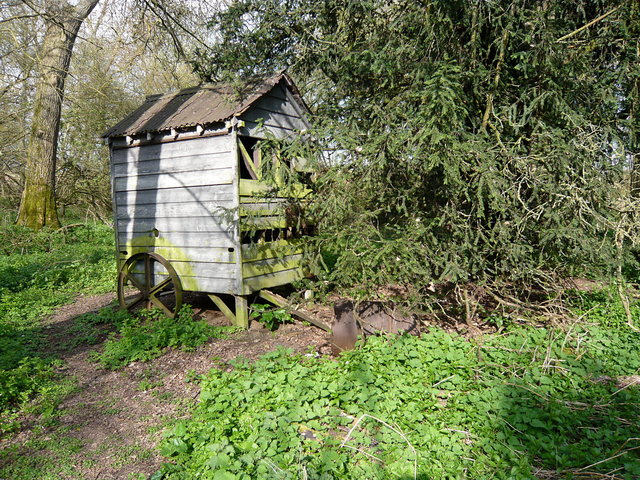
(432,407)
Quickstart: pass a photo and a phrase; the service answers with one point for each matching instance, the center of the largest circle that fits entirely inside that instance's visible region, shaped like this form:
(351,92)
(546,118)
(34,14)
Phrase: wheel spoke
(161,306)
(134,281)
(160,286)
(136,300)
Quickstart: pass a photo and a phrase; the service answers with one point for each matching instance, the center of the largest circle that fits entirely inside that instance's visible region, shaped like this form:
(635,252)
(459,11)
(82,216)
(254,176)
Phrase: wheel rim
(147,280)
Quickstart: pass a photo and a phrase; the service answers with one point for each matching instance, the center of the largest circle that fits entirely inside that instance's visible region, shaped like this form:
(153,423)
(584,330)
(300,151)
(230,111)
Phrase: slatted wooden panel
(270,264)
(180,200)
(258,212)
(269,280)
(270,250)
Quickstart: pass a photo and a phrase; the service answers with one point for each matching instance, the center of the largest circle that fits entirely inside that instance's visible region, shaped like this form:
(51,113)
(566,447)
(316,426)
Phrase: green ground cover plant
(528,402)
(38,273)
(149,334)
(270,316)
(59,447)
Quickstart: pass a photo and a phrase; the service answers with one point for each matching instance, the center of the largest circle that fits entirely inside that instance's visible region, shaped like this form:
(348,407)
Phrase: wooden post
(241,316)
(242,311)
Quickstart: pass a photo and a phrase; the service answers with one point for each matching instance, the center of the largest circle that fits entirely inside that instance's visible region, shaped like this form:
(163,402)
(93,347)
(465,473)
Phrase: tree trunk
(38,205)
(634,141)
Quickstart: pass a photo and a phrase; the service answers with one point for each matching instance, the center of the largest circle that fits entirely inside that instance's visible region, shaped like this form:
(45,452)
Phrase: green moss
(38,207)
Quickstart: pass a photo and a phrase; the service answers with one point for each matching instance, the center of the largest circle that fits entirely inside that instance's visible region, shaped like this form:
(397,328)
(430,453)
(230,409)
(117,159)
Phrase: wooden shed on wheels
(192,212)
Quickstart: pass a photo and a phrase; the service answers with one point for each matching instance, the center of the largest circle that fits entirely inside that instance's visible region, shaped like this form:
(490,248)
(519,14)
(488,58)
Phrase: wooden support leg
(242,311)
(223,308)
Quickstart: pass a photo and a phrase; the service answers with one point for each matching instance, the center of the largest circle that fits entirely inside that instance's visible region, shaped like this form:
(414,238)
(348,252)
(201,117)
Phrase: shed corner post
(241,318)
(242,312)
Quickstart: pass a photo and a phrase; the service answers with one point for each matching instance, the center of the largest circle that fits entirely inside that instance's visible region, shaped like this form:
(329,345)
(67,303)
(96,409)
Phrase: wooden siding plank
(274,265)
(200,270)
(280,116)
(175,164)
(255,188)
(210,285)
(217,193)
(278,92)
(252,188)
(271,116)
(214,176)
(262,223)
(257,129)
(261,209)
(182,253)
(280,104)
(176,224)
(251,199)
(302,112)
(270,205)
(185,240)
(268,250)
(284,277)
(205,284)
(186,209)
(196,146)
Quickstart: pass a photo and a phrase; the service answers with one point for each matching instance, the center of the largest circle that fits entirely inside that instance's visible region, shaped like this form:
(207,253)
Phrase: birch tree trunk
(38,204)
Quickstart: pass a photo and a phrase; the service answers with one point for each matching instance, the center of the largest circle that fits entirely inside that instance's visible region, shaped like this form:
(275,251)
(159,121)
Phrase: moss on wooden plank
(254,284)
(265,251)
(256,188)
(263,267)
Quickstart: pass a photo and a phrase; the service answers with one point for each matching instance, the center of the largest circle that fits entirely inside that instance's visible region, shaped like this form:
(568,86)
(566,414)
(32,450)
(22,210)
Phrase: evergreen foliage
(470,141)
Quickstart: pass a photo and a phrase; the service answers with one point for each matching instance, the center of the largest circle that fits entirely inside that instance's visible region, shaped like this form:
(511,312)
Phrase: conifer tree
(481,141)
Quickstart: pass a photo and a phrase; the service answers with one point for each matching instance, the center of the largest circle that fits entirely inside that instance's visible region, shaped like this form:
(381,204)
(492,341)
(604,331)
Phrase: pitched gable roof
(203,105)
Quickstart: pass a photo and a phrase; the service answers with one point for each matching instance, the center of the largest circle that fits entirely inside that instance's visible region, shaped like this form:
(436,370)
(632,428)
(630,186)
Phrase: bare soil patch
(118,416)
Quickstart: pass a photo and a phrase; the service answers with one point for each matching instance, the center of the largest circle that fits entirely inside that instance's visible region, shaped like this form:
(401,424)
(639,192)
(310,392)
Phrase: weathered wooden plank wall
(180,200)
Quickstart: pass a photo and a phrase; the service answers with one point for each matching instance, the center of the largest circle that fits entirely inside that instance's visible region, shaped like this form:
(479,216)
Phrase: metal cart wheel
(137,287)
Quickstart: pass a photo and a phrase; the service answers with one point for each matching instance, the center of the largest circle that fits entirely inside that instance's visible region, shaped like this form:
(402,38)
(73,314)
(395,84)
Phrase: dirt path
(117,417)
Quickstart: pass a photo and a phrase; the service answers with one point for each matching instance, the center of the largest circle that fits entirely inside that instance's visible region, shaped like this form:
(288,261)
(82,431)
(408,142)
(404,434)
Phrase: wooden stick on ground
(296,312)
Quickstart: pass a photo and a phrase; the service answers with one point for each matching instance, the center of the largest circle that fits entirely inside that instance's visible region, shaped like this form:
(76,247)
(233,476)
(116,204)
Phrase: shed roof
(203,105)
